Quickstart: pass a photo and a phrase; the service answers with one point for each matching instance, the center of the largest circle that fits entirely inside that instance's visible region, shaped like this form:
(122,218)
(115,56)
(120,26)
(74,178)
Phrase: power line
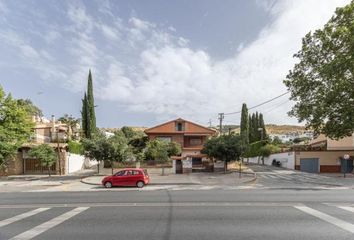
(275,107)
(270,100)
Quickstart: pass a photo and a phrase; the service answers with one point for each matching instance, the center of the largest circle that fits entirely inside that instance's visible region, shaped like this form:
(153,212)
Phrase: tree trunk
(163,170)
(49,171)
(259,158)
(225,166)
(98,167)
(262,160)
(112,167)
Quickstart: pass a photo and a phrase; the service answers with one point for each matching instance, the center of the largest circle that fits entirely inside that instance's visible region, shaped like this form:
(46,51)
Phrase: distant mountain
(270,128)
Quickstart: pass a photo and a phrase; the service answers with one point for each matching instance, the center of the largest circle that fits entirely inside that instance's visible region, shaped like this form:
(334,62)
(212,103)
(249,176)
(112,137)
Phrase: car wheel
(108,184)
(140,184)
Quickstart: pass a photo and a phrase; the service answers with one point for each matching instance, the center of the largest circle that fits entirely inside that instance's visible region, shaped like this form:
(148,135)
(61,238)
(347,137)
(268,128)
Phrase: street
(276,208)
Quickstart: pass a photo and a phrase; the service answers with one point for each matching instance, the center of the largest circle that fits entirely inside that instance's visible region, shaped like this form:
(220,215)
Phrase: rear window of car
(136,172)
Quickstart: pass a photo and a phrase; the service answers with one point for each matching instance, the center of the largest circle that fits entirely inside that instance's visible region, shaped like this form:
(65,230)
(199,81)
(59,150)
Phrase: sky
(156,60)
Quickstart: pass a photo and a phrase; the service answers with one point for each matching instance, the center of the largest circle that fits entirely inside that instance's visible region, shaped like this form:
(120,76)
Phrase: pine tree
(244,125)
(254,128)
(91,103)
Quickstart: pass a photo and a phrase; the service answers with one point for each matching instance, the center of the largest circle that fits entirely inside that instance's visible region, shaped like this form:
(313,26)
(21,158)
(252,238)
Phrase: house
(191,137)
(324,154)
(53,133)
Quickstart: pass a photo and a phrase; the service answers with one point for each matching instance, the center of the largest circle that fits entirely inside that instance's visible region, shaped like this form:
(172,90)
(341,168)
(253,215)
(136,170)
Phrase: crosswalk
(327,214)
(291,176)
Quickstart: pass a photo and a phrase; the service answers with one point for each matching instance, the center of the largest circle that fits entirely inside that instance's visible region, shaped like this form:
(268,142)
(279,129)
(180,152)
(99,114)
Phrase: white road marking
(271,176)
(284,177)
(47,225)
(325,217)
(264,176)
(21,216)
(350,209)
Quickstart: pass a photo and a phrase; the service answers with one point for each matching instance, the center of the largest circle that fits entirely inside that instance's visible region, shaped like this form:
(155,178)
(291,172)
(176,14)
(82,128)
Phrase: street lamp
(345,162)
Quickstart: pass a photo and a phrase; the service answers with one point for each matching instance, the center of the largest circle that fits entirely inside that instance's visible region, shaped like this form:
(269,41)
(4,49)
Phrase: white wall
(78,162)
(287,159)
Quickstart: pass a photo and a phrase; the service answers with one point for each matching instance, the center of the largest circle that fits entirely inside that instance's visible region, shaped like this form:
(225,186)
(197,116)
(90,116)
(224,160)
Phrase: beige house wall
(341,144)
(328,160)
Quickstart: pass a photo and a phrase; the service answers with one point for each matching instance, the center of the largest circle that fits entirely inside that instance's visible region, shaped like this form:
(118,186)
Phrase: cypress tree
(250,128)
(244,125)
(262,125)
(254,128)
(91,103)
(85,114)
(257,132)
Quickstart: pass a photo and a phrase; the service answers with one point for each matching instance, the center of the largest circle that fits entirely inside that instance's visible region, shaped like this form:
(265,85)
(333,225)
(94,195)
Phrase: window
(195,141)
(164,138)
(179,126)
(135,172)
(120,173)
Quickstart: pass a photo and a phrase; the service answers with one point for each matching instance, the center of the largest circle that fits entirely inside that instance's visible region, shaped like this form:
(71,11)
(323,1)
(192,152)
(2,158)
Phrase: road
(281,212)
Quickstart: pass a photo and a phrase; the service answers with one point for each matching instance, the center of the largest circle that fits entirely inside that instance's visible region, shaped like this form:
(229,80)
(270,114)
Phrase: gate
(34,166)
(310,165)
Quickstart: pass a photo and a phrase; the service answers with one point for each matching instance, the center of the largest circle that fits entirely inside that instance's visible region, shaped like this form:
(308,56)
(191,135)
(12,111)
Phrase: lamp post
(56,130)
(346,158)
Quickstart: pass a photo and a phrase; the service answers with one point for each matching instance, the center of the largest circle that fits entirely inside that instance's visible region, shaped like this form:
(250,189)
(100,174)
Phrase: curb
(89,183)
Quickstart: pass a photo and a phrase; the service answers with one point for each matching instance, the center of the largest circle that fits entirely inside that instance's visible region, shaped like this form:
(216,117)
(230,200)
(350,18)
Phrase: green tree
(32,109)
(15,126)
(85,116)
(71,122)
(262,126)
(244,125)
(225,148)
(45,154)
(91,103)
(113,149)
(322,81)
(161,151)
(267,150)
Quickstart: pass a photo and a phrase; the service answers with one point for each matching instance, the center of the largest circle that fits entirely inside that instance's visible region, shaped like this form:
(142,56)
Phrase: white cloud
(149,69)
(174,80)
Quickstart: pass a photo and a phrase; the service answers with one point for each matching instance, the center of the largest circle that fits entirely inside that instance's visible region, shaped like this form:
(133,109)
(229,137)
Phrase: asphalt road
(214,214)
(281,204)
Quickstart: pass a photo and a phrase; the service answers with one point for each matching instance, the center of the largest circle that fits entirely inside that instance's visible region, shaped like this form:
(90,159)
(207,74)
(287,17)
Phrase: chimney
(53,123)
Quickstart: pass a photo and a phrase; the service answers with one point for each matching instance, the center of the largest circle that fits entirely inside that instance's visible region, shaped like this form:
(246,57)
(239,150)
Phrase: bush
(75,147)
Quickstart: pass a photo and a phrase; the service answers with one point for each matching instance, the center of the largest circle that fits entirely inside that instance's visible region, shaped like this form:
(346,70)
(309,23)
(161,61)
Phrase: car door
(118,178)
(137,175)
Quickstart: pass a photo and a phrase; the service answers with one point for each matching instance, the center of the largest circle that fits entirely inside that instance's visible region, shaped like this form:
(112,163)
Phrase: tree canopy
(15,126)
(161,151)
(322,82)
(88,110)
(225,147)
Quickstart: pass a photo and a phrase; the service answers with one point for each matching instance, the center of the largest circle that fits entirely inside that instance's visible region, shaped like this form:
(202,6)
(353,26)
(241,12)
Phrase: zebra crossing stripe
(325,217)
(49,224)
(22,216)
(350,209)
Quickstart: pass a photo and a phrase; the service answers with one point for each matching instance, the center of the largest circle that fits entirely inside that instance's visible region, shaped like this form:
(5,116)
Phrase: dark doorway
(179,168)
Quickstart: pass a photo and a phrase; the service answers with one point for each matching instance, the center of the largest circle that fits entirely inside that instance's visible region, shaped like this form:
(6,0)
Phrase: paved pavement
(275,177)
(216,214)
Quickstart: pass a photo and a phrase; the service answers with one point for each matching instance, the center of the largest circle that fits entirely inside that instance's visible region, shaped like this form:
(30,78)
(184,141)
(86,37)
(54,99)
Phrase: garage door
(310,165)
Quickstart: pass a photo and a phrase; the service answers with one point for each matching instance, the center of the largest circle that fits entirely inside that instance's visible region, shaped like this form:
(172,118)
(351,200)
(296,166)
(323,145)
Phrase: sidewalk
(228,179)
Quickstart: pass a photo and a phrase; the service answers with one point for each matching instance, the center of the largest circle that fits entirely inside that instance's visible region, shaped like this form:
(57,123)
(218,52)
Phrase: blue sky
(155,60)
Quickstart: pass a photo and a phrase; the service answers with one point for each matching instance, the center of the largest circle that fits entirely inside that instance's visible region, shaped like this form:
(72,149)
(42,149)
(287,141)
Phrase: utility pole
(221,117)
(210,125)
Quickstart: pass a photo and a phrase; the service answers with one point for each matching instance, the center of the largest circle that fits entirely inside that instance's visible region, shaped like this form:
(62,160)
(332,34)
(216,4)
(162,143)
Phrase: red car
(127,177)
